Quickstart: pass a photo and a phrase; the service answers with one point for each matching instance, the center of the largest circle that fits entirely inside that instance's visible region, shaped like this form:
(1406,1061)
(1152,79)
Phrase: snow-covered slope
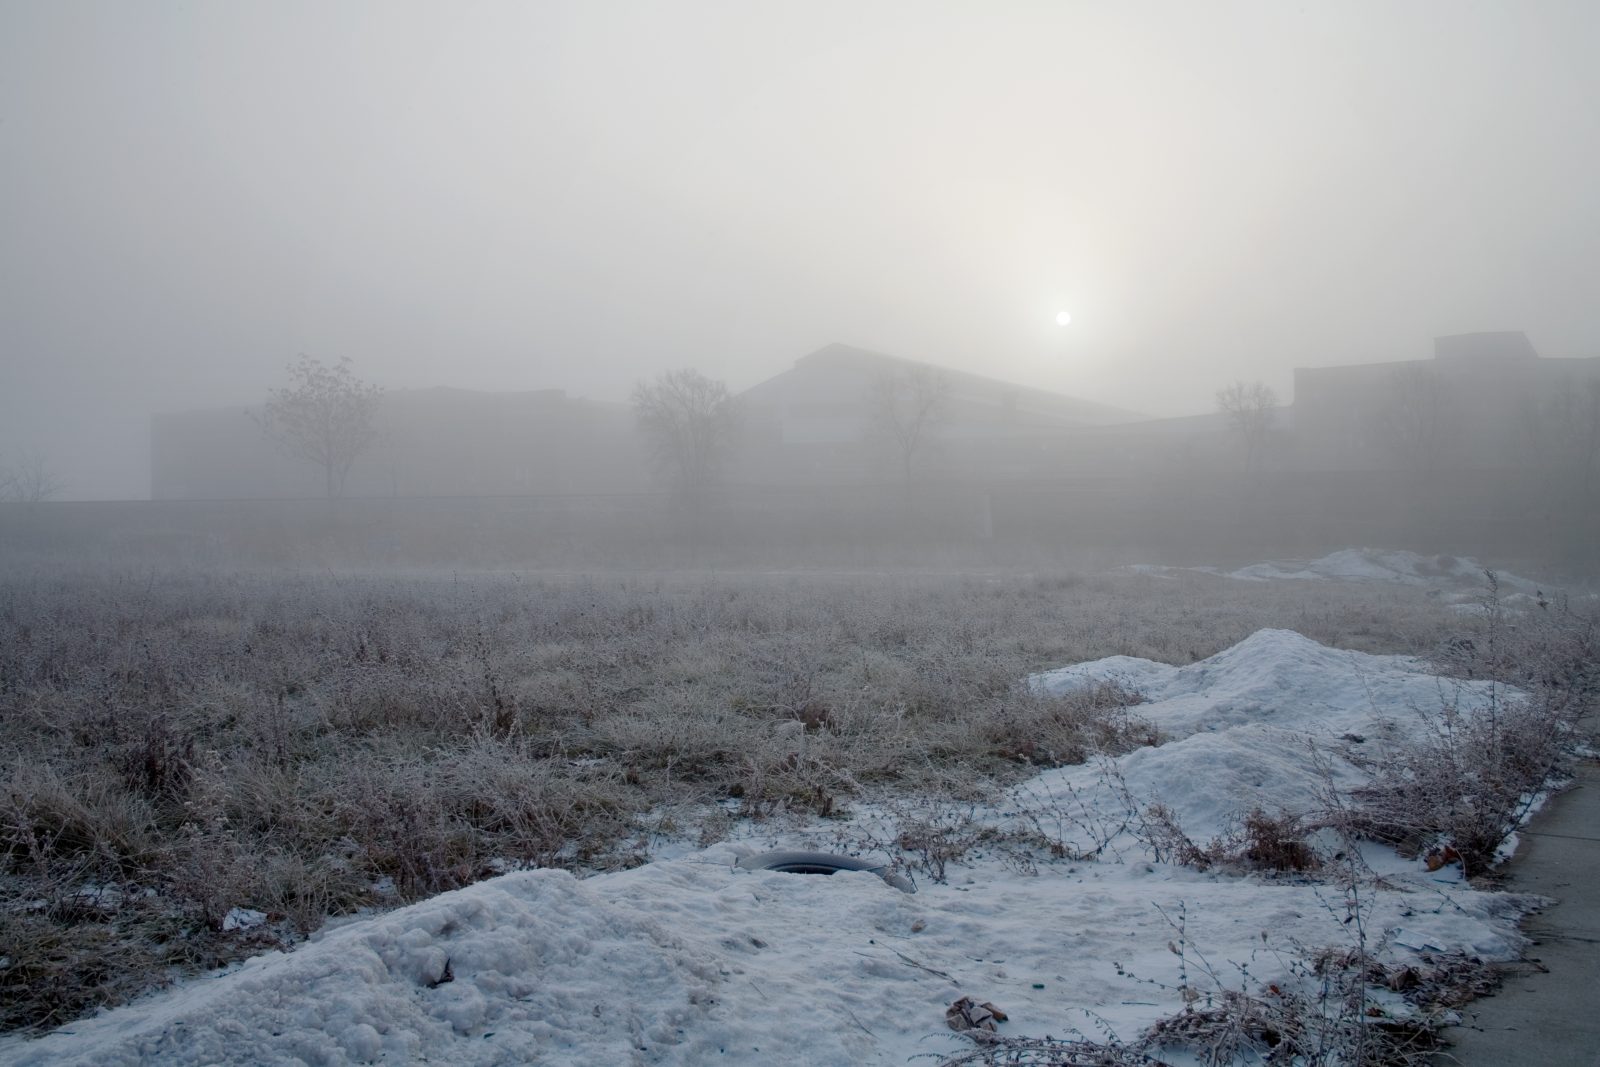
(692,961)
(1274,678)
(1257,725)
(1446,573)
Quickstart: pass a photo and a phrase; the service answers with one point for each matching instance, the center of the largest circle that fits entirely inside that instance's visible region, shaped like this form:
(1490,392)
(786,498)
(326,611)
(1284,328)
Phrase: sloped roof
(839,373)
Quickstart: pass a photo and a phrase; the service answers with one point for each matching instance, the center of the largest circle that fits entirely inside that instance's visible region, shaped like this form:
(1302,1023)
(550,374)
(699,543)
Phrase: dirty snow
(692,961)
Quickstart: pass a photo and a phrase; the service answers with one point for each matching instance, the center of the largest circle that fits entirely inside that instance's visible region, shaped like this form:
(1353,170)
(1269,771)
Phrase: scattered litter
(792,862)
(242,919)
(1441,857)
(967,1014)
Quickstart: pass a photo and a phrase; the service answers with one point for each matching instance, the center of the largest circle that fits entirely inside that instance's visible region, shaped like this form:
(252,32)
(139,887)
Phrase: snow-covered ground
(1447,573)
(1260,724)
(691,961)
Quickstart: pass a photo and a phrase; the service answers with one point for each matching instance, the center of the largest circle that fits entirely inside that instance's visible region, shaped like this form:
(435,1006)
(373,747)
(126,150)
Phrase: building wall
(814,424)
(1500,407)
(1476,405)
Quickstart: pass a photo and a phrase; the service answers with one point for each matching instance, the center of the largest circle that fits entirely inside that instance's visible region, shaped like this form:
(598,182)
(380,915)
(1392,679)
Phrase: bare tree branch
(690,421)
(30,481)
(1250,411)
(325,416)
(904,404)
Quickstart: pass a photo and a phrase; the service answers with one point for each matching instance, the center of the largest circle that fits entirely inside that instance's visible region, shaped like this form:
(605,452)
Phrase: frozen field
(689,960)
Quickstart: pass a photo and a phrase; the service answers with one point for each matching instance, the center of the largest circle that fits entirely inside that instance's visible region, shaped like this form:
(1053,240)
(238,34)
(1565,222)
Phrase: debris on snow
(242,919)
(967,1014)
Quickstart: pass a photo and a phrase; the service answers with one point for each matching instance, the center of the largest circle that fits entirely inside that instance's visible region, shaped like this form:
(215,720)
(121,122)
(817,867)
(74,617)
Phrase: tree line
(327,416)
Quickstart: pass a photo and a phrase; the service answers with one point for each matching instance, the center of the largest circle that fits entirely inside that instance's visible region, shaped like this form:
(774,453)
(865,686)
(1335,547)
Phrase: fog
(1123,470)
(578,196)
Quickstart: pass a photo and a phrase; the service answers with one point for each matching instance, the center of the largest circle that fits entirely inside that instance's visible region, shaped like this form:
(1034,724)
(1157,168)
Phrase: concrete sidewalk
(1548,1011)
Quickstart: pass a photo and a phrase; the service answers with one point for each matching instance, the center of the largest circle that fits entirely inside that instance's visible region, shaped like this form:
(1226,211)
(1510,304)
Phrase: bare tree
(690,421)
(30,480)
(904,405)
(1250,411)
(325,416)
(1413,421)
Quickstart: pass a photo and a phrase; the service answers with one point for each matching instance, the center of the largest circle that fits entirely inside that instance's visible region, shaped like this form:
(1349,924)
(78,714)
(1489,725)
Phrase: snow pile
(1373,565)
(1277,678)
(692,961)
(1363,565)
(528,964)
(1254,726)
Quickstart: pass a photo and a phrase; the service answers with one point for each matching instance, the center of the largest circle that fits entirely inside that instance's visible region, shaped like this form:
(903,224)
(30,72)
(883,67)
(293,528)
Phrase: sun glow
(1063,318)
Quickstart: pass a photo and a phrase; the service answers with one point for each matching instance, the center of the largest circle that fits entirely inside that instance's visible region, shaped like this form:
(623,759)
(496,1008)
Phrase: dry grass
(311,746)
(1466,785)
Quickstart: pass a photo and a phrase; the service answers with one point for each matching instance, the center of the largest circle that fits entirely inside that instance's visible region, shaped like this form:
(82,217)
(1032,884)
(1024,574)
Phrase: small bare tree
(905,404)
(689,420)
(326,415)
(1250,411)
(1413,421)
(29,480)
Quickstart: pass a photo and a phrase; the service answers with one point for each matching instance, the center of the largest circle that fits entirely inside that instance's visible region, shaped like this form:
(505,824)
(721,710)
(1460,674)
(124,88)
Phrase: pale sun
(1063,318)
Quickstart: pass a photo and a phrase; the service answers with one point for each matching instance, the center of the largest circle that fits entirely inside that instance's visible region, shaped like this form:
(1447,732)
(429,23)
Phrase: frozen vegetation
(1174,814)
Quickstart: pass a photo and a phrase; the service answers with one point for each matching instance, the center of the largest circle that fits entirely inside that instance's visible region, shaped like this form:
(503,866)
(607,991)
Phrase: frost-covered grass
(1119,945)
(182,745)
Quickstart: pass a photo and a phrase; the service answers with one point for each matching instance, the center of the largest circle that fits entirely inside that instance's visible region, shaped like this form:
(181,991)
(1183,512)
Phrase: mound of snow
(690,961)
(1257,725)
(1455,573)
(1375,565)
(463,967)
(1274,678)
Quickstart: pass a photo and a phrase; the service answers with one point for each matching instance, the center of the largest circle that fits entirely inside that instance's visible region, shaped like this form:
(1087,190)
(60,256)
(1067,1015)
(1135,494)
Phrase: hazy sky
(526,195)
